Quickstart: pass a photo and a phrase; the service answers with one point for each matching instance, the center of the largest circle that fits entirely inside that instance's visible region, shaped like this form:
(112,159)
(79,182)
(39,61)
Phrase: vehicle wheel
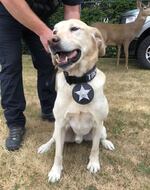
(143,53)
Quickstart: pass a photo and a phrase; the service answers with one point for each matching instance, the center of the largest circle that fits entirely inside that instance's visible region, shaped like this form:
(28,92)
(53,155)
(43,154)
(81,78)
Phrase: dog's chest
(81,123)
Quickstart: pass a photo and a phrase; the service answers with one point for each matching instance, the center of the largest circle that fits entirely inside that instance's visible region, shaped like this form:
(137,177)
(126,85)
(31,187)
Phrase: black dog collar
(84,79)
(82,92)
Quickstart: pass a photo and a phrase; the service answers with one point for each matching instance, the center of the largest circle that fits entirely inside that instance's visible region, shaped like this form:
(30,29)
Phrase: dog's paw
(54,174)
(78,139)
(93,167)
(43,148)
(108,144)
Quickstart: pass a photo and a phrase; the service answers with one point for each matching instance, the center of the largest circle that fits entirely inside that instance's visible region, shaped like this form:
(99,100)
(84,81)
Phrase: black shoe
(48,117)
(14,140)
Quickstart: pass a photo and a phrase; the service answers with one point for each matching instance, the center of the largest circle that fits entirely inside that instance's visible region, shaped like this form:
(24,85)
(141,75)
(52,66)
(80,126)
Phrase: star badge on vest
(83,93)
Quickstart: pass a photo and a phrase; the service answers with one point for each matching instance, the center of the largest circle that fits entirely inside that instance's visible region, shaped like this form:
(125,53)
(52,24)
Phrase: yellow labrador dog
(81,106)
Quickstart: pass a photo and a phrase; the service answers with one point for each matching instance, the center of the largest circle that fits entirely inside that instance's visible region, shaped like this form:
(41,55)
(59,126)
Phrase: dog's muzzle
(62,57)
(65,59)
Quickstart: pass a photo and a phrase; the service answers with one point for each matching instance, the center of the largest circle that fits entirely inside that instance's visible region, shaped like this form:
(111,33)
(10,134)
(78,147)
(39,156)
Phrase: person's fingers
(45,37)
(44,43)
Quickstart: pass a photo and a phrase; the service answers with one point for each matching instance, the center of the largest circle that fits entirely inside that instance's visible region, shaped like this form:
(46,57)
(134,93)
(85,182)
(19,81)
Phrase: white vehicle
(140,46)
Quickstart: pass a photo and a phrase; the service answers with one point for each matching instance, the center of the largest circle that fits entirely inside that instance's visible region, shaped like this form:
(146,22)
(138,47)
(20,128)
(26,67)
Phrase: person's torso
(43,7)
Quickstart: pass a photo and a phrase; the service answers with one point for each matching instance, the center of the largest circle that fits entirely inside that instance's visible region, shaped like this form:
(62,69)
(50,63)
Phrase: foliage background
(96,10)
(92,11)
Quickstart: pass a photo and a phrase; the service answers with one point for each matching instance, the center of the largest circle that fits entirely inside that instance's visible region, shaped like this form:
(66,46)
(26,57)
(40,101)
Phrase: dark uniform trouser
(12,94)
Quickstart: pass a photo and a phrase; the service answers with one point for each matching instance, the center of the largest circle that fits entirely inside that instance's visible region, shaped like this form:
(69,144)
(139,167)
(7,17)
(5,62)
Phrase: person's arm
(71,11)
(22,12)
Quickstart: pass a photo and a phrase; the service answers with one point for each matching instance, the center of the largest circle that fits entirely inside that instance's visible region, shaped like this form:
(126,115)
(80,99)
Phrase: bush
(93,11)
(56,17)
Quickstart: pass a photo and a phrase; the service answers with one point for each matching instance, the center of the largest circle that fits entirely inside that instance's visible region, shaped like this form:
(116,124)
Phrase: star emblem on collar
(83,93)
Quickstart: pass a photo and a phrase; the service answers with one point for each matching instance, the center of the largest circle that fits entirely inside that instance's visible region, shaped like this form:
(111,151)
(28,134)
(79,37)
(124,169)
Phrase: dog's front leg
(94,165)
(55,172)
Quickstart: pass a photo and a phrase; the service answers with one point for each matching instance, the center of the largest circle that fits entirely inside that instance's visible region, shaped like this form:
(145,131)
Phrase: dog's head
(75,43)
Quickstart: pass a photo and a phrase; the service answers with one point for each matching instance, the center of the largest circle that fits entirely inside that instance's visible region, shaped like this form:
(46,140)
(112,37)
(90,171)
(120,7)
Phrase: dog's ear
(99,40)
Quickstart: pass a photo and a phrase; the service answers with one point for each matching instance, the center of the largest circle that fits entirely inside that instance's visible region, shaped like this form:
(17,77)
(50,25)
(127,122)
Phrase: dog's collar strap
(87,77)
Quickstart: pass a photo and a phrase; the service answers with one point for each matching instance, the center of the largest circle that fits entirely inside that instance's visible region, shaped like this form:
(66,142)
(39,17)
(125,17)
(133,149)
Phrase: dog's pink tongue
(72,54)
(65,56)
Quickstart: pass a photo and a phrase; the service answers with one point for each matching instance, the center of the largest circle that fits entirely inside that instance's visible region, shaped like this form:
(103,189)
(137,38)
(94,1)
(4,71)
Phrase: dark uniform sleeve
(72,2)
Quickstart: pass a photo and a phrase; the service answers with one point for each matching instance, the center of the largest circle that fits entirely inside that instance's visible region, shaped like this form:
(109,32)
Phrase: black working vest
(43,8)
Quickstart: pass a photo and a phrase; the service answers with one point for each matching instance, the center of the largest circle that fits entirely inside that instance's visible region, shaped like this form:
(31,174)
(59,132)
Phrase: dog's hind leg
(106,143)
(45,147)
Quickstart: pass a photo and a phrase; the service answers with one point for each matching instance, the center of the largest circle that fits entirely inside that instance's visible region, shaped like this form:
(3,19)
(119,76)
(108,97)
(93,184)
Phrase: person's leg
(45,74)
(12,96)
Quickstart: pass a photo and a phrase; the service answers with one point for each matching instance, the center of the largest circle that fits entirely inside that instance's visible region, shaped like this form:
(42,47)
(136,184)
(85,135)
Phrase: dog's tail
(45,147)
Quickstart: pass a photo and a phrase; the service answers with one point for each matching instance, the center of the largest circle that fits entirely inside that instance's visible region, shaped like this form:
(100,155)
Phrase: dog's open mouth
(65,59)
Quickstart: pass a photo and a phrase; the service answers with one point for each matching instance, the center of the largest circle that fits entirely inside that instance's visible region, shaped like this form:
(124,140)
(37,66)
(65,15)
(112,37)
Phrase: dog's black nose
(54,44)
(55,39)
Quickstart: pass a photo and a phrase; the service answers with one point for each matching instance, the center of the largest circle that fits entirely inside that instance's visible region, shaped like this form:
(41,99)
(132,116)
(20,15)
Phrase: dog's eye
(74,28)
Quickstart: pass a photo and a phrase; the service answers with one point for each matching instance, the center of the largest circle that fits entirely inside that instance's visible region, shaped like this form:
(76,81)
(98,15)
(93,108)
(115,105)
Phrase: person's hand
(45,37)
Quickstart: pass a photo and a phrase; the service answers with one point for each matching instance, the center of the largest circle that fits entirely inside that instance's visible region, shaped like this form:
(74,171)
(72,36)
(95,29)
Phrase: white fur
(75,122)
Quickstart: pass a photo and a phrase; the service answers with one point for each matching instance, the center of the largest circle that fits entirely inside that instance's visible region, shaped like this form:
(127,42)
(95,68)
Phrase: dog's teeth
(58,60)
(66,59)
(57,56)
